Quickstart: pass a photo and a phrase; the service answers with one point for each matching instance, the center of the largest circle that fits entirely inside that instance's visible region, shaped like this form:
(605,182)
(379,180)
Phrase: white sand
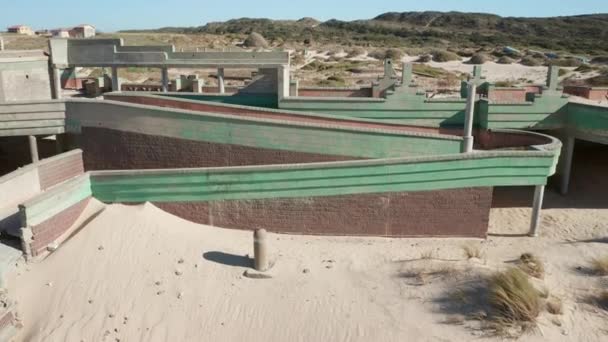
(352,292)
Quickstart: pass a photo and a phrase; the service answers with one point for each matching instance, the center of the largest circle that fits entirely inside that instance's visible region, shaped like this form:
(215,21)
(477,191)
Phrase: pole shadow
(228,259)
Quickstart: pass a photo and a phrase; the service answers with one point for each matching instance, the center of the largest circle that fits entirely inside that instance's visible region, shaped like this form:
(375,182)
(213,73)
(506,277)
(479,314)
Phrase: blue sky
(111,15)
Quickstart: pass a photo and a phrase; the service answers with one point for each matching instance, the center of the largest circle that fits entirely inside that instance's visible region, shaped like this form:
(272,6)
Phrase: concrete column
(115,79)
(260,250)
(468,119)
(33,148)
(539,194)
(1,44)
(220,81)
(568,152)
(283,81)
(407,74)
(165,79)
(56,83)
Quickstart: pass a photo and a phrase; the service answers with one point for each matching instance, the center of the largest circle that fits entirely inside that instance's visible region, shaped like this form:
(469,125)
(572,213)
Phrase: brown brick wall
(455,212)
(60,170)
(507,95)
(107,149)
(54,227)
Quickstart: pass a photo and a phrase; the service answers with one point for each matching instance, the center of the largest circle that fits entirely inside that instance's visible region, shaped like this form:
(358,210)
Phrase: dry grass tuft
(515,302)
(602,300)
(427,255)
(555,306)
(532,265)
(472,251)
(599,266)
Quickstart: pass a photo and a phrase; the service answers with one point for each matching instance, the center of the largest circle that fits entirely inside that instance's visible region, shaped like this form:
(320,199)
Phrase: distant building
(83,31)
(61,33)
(21,29)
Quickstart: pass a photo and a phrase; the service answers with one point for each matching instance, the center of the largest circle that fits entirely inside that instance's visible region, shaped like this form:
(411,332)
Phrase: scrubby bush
(565,62)
(530,61)
(355,52)
(600,60)
(465,53)
(394,54)
(444,56)
(424,59)
(505,60)
(255,40)
(513,299)
(479,58)
(377,54)
(532,265)
(584,68)
(599,266)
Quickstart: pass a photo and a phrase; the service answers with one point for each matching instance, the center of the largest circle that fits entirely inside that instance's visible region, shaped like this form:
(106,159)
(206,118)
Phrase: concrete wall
(24,75)
(42,117)
(334,92)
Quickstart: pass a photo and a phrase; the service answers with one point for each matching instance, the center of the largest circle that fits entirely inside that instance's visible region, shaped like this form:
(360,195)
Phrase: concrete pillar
(165,79)
(220,81)
(407,74)
(552,77)
(468,119)
(56,83)
(539,194)
(568,152)
(283,81)
(33,148)
(115,79)
(260,250)
(293,87)
(1,44)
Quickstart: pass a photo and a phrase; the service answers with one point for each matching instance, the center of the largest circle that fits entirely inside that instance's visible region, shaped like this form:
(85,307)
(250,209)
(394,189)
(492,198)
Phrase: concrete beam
(469,118)
(537,204)
(33,148)
(568,152)
(220,81)
(115,79)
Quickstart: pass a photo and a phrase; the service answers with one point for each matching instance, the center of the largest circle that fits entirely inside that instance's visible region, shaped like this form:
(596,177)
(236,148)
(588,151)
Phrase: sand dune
(136,273)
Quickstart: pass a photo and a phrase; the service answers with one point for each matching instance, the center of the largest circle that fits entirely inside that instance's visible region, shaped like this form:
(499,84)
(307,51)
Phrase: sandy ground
(136,273)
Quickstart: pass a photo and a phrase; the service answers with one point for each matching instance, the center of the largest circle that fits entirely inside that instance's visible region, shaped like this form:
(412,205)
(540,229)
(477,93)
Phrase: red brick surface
(60,170)
(107,149)
(456,212)
(507,95)
(51,229)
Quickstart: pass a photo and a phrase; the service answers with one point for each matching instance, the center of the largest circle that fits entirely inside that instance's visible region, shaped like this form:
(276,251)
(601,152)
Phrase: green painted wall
(326,179)
(264,101)
(262,133)
(402,107)
(588,122)
(546,112)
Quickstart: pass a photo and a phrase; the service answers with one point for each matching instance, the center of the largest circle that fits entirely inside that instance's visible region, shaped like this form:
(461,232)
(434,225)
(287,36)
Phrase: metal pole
(537,205)
(567,164)
(468,119)
(33,148)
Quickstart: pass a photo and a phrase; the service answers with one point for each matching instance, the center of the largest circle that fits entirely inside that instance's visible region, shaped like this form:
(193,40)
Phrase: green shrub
(479,58)
(530,61)
(505,60)
(444,56)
